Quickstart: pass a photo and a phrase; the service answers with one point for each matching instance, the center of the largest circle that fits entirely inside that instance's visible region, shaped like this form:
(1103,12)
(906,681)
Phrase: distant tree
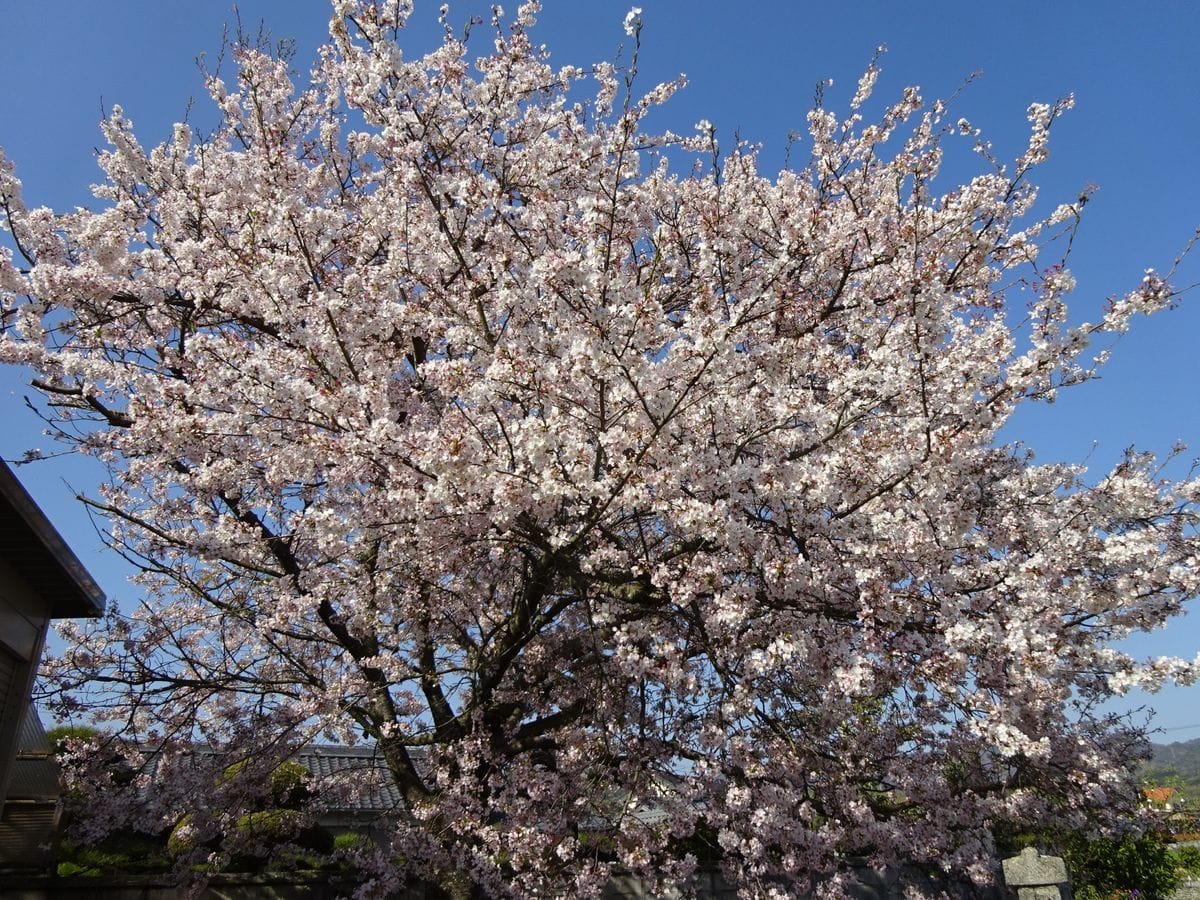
(442,411)
(61,737)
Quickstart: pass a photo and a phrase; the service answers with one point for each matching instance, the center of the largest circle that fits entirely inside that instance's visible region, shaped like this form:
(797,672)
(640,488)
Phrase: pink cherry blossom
(602,494)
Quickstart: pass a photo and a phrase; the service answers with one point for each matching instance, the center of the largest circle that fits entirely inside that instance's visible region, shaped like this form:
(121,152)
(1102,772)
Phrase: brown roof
(1158,794)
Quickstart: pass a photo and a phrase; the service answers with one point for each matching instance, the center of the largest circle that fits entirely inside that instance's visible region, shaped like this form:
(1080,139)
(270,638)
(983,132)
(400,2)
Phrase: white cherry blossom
(447,412)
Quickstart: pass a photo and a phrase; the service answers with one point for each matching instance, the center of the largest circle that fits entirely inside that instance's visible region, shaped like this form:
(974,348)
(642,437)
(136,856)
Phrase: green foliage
(126,852)
(61,734)
(1187,860)
(281,826)
(269,825)
(352,840)
(118,767)
(1010,840)
(288,782)
(67,869)
(278,823)
(1103,868)
(182,838)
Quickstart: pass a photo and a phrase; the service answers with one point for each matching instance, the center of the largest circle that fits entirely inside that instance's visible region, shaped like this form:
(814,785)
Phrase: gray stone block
(1042,892)
(1033,869)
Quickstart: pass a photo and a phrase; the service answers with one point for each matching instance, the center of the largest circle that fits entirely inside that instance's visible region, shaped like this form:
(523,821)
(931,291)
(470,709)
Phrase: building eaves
(31,545)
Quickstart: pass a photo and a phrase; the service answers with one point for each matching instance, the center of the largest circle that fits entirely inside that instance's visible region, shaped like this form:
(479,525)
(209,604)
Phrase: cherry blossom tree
(624,497)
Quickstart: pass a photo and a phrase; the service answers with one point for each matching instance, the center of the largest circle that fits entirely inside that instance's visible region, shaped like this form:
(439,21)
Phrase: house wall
(24,618)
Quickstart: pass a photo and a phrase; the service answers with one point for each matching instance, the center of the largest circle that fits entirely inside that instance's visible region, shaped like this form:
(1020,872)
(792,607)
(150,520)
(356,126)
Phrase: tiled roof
(379,795)
(362,766)
(376,793)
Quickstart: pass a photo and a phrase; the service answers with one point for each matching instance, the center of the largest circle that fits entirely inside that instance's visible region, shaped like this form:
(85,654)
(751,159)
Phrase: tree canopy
(606,484)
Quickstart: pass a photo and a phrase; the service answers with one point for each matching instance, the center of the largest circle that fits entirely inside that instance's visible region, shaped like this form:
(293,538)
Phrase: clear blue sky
(1135,132)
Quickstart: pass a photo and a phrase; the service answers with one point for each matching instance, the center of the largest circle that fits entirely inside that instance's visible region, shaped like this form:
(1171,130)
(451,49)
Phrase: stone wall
(221,887)
(1026,873)
(709,884)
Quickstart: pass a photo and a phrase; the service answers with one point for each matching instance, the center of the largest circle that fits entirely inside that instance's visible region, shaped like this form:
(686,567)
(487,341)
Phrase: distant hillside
(1176,765)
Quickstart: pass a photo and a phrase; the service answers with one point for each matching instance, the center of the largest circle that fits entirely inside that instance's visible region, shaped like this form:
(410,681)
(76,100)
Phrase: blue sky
(1135,133)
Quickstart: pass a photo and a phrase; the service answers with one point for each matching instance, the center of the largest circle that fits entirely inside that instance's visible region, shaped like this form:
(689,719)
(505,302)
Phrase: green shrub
(121,852)
(182,838)
(269,825)
(352,840)
(1187,861)
(279,823)
(288,781)
(67,869)
(1103,868)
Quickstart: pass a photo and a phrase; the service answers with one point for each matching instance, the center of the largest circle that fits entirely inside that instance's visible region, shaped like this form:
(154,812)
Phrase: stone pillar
(1037,877)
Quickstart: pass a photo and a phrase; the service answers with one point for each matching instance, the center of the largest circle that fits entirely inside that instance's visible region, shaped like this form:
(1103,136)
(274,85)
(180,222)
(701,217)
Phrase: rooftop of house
(31,545)
(376,796)
(380,795)
(1160,795)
